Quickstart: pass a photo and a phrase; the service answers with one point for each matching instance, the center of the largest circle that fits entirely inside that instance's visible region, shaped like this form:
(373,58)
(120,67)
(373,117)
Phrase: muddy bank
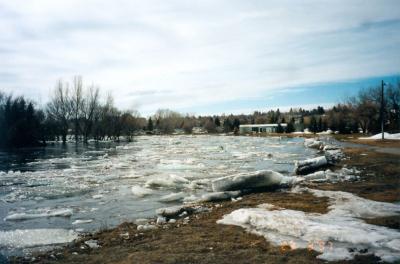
(201,240)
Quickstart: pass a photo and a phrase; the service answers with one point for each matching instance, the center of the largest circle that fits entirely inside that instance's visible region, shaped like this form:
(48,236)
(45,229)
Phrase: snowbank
(310,165)
(386,135)
(338,235)
(254,180)
(35,237)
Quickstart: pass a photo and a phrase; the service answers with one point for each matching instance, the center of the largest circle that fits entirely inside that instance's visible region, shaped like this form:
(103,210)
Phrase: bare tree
(77,104)
(89,110)
(59,108)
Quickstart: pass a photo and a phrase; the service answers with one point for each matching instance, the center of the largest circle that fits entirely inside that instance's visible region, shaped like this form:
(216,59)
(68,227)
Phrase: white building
(260,128)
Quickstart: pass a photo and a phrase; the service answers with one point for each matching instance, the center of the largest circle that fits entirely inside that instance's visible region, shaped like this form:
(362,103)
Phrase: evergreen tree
(150,125)
(290,126)
(279,129)
(217,122)
(313,127)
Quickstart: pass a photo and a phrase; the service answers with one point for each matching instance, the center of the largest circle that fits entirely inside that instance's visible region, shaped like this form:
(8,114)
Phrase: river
(77,188)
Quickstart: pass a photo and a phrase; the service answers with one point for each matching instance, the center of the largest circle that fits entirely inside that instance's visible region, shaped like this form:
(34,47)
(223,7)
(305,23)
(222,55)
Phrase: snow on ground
(386,135)
(327,132)
(338,235)
(21,238)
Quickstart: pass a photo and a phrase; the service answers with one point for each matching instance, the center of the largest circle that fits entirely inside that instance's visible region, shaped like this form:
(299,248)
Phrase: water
(87,188)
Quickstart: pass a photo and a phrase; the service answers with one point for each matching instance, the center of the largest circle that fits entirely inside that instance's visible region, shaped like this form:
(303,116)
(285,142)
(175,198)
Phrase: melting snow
(387,136)
(338,235)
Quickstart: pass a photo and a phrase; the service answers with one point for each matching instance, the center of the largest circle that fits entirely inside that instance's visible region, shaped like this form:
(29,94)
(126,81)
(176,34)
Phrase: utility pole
(382,111)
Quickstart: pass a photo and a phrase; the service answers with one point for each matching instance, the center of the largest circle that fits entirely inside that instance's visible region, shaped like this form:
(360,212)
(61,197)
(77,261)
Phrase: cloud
(184,55)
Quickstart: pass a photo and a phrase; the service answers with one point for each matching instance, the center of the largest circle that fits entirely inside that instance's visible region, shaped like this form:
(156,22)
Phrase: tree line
(78,112)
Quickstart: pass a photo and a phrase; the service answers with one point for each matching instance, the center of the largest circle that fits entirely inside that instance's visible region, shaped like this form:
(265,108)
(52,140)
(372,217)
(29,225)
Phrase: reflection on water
(77,187)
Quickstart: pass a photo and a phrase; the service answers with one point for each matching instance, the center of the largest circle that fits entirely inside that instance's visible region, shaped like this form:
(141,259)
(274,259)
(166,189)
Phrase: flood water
(85,188)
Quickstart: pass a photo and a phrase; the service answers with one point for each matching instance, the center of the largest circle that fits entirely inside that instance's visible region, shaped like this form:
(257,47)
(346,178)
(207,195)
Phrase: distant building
(260,128)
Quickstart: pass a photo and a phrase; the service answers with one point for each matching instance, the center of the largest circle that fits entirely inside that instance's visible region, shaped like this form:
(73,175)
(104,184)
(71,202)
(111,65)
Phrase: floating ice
(35,237)
(82,221)
(171,180)
(140,191)
(313,143)
(39,214)
(338,235)
(173,197)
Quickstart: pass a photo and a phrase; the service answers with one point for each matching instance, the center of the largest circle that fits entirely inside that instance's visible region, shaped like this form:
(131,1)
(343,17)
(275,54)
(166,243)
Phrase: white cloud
(194,53)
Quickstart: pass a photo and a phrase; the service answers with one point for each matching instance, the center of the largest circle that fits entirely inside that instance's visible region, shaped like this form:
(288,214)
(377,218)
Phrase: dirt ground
(204,241)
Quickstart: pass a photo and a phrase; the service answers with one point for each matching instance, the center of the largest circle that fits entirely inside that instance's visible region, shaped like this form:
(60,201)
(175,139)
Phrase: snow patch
(386,135)
(338,235)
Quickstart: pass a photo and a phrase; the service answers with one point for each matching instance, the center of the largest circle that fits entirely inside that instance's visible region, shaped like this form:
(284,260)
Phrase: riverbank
(200,239)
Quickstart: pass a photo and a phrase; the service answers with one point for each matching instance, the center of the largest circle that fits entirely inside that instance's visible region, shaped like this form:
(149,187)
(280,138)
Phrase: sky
(201,57)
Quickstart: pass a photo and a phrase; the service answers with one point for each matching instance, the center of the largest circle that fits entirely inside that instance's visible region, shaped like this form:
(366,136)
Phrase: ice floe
(21,238)
(310,165)
(343,174)
(313,143)
(253,180)
(170,180)
(38,214)
(173,197)
(140,191)
(338,235)
(82,221)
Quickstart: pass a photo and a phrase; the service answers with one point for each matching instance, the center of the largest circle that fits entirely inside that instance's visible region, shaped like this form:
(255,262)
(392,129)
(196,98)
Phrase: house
(260,128)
